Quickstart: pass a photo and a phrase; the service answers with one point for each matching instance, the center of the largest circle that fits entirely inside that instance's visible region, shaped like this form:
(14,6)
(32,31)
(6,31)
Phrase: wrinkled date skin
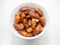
(29,22)
(24,33)
(23,9)
(33,14)
(29,35)
(42,21)
(33,23)
(37,10)
(37,30)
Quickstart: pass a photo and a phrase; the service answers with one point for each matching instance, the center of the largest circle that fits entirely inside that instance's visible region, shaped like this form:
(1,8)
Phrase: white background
(51,37)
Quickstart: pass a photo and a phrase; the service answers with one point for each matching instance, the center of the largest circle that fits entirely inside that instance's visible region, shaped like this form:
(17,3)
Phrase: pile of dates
(29,22)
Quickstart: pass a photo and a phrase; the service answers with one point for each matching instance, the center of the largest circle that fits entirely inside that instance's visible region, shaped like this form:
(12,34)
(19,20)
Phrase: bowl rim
(34,37)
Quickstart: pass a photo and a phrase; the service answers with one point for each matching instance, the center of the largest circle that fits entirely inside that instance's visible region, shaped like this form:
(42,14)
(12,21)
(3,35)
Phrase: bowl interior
(16,10)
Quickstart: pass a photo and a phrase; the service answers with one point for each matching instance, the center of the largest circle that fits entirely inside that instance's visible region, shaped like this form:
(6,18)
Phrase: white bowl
(12,17)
